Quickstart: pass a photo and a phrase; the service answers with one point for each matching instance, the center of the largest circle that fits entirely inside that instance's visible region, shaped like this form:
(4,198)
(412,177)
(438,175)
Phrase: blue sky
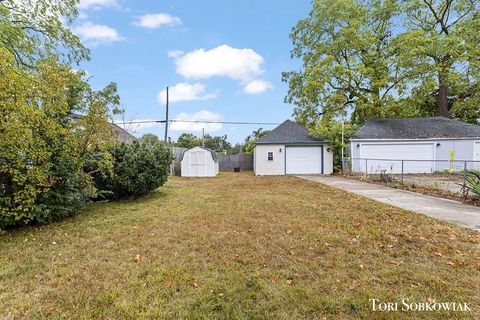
(222,59)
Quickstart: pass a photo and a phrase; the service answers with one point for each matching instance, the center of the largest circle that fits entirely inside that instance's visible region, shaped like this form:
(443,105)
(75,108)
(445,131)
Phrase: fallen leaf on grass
(274,279)
(195,285)
(478,266)
(138,258)
(289,282)
(438,253)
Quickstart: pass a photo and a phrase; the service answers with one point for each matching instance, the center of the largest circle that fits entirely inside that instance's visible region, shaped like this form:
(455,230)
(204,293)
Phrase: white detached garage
(288,149)
(424,144)
(199,162)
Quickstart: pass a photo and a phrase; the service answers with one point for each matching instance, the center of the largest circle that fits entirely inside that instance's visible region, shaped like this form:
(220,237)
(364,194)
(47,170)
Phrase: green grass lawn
(238,246)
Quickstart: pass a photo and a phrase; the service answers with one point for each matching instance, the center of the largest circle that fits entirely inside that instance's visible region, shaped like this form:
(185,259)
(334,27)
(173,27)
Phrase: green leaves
(34,30)
(52,124)
(374,58)
(138,168)
(473,182)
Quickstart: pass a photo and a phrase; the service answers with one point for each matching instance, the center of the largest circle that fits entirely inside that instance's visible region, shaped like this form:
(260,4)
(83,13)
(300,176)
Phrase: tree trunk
(442,101)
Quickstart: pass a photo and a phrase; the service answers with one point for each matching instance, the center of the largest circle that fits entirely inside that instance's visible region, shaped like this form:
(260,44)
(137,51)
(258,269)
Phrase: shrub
(138,168)
(43,149)
(473,182)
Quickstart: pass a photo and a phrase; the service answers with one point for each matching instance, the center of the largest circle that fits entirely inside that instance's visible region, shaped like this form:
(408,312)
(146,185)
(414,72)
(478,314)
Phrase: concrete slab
(439,208)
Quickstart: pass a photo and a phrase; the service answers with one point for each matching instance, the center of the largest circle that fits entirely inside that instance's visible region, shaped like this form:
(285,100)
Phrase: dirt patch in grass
(238,246)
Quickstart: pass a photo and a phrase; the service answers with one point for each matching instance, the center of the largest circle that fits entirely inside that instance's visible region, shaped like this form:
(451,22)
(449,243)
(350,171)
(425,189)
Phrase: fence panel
(230,161)
(175,166)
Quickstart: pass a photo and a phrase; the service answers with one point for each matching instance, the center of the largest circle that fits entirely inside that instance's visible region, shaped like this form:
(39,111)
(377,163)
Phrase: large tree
(349,60)
(442,40)
(32,30)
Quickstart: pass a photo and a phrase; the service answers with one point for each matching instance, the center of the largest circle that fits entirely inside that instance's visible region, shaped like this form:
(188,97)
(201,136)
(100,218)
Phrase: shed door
(385,156)
(198,163)
(303,160)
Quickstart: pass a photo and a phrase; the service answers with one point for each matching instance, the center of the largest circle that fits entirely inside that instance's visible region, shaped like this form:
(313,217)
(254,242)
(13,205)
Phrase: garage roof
(416,128)
(289,132)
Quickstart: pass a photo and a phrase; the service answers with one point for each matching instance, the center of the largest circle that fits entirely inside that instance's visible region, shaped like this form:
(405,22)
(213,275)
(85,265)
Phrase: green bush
(138,168)
(52,123)
(473,182)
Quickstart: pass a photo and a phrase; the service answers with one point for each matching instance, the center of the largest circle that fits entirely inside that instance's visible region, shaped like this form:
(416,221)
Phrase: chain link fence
(446,175)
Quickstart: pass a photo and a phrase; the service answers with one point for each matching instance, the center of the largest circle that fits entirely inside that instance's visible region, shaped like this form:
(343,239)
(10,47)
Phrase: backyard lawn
(238,246)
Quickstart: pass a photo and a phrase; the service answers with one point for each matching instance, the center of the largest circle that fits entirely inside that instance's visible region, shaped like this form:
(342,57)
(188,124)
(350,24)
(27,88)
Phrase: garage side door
(392,153)
(303,160)
(476,155)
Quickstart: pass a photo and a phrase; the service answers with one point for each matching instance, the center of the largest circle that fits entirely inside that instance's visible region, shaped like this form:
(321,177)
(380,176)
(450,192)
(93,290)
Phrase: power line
(198,121)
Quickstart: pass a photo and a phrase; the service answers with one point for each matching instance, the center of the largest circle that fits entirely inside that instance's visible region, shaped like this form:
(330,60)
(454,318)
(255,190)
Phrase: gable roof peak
(288,132)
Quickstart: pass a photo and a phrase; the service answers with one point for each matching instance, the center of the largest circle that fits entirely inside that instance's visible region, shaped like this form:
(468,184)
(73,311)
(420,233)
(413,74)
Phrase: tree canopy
(372,59)
(32,30)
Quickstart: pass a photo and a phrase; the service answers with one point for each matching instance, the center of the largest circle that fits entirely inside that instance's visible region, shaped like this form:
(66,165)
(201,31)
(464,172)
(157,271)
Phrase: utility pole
(166,120)
(343,143)
(203,137)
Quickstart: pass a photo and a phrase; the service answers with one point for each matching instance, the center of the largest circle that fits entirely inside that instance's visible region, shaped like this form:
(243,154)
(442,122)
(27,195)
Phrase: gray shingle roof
(416,128)
(121,134)
(213,153)
(288,132)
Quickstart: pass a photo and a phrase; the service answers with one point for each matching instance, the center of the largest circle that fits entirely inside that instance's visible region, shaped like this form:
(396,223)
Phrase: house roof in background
(121,134)
(416,128)
(289,132)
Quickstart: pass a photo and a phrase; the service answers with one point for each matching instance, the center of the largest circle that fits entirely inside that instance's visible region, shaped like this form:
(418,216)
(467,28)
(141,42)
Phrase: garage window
(270,156)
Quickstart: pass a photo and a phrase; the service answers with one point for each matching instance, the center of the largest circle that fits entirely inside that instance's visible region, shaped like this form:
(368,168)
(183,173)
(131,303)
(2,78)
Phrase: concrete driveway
(439,208)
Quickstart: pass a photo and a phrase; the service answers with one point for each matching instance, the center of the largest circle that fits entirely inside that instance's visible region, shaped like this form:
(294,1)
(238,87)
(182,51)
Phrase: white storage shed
(199,162)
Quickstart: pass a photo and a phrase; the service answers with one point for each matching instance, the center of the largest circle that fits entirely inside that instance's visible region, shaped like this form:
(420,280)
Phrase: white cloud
(185,92)
(239,64)
(257,86)
(156,20)
(96,33)
(202,115)
(97,4)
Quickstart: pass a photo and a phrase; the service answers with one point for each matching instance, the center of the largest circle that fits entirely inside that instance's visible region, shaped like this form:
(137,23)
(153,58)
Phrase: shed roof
(416,128)
(214,154)
(289,132)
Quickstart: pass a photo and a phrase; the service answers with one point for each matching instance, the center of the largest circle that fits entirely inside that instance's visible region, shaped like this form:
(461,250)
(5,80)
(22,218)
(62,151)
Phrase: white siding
(264,167)
(327,160)
(464,150)
(198,162)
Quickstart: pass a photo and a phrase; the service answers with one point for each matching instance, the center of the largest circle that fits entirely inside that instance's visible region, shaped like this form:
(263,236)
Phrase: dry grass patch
(238,246)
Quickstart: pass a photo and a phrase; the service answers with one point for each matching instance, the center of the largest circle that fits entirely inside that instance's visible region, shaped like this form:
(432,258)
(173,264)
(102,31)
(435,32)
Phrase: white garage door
(423,153)
(303,160)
